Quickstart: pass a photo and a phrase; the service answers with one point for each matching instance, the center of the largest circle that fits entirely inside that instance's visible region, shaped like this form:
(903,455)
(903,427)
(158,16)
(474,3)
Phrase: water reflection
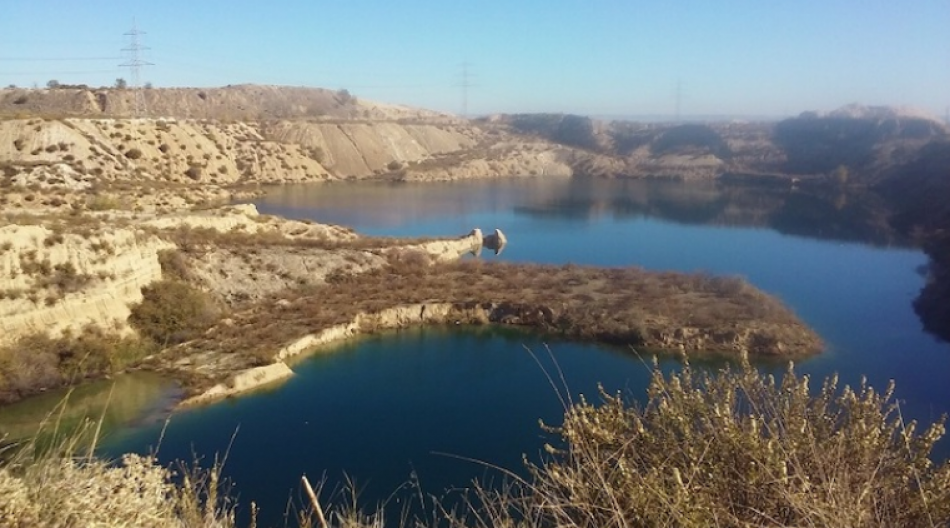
(378,207)
(127,399)
(854,216)
(816,213)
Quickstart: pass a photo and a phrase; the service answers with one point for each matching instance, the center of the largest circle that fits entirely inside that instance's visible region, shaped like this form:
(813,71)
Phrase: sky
(595,57)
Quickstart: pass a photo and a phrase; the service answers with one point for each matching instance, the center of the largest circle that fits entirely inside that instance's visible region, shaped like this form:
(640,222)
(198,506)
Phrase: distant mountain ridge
(864,140)
(859,111)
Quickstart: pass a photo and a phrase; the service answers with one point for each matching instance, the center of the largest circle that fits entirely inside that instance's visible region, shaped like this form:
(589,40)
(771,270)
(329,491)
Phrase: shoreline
(787,338)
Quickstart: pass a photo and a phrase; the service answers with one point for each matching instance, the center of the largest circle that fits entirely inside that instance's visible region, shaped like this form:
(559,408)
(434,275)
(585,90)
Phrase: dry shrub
(733,449)
(604,304)
(64,278)
(173,312)
(38,362)
(409,260)
(174,265)
(102,203)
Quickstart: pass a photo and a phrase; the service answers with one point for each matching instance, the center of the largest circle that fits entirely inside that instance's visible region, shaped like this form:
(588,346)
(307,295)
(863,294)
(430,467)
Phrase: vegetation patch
(38,362)
(694,312)
(172,312)
(61,483)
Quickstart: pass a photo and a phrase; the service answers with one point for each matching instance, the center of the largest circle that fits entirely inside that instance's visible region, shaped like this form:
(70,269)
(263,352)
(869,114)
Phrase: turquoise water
(417,402)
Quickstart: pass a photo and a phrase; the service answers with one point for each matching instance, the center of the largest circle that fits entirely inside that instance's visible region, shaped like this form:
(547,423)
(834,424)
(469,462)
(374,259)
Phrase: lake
(427,403)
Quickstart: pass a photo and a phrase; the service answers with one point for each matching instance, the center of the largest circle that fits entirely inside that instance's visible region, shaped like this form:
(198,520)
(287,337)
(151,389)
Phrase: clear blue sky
(736,57)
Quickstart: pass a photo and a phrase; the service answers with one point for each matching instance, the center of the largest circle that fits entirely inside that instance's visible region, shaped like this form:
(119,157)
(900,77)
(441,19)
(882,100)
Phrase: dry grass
(197,240)
(58,483)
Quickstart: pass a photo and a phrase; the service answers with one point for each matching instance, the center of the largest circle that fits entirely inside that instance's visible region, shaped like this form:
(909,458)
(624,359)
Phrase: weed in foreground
(736,448)
(60,483)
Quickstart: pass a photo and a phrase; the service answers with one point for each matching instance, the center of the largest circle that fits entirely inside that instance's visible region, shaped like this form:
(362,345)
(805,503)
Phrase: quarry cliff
(249,134)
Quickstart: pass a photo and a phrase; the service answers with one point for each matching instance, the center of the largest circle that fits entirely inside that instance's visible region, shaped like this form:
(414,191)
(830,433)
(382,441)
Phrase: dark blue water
(384,408)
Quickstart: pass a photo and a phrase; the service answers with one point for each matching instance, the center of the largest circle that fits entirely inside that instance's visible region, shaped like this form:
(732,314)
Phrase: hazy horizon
(732,59)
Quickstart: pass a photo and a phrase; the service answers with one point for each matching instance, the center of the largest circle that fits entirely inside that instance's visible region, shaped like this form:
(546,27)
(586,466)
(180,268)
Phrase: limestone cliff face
(364,149)
(51,282)
(505,159)
(441,250)
(244,381)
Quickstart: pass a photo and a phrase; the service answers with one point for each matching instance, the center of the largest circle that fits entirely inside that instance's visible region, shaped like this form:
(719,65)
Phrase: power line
(58,72)
(679,100)
(57,59)
(465,83)
(135,64)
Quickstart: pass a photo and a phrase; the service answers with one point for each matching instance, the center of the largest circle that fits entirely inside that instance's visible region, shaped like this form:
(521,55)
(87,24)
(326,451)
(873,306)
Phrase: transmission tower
(465,82)
(679,100)
(135,64)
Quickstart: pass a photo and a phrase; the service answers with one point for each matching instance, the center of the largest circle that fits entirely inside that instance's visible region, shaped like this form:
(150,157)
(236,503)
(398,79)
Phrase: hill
(867,141)
(83,140)
(246,102)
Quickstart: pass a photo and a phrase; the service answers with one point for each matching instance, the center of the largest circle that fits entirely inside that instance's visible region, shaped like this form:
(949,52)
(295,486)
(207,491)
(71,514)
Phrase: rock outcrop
(60,277)
(171,151)
(364,149)
(52,282)
(244,381)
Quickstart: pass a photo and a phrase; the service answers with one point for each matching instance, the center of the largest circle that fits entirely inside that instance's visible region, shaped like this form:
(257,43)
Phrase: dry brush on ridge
(692,313)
